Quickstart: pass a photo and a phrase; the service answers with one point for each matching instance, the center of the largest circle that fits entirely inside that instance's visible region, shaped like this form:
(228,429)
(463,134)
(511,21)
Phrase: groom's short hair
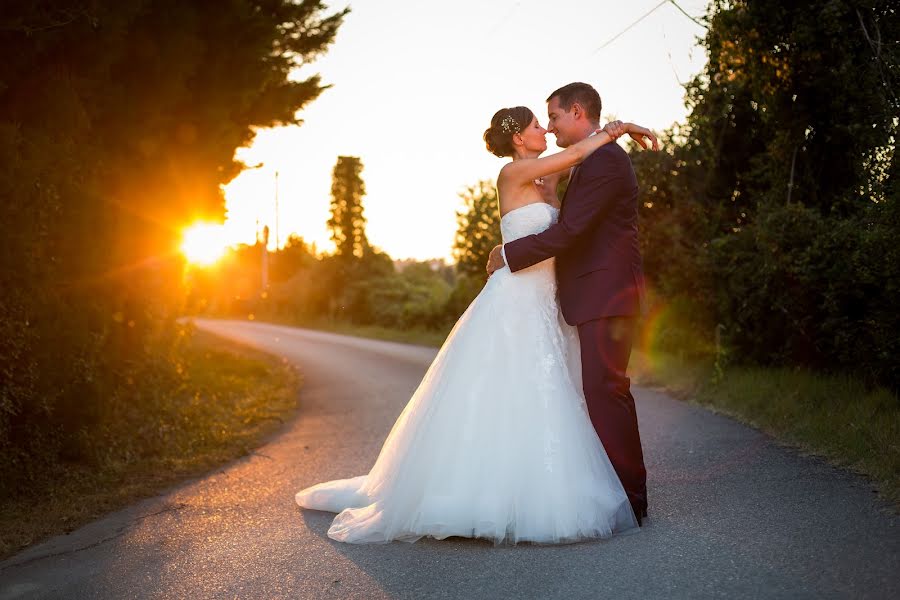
(582,93)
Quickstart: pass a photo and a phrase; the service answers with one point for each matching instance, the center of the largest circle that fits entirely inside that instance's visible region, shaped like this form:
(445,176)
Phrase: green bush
(799,288)
(788,285)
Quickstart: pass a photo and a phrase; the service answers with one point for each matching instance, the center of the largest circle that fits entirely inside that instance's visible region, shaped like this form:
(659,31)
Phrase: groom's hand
(495,261)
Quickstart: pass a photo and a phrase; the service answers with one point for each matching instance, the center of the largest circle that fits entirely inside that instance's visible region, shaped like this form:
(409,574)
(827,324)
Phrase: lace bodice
(526,220)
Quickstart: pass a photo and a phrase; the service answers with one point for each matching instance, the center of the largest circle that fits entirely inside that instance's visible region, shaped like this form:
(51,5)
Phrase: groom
(600,278)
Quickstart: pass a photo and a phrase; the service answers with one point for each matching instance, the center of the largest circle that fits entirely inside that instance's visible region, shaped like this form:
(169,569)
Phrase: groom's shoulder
(609,156)
(612,150)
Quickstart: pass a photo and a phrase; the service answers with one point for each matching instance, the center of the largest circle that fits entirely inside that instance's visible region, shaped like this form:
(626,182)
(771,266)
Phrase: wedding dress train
(496,442)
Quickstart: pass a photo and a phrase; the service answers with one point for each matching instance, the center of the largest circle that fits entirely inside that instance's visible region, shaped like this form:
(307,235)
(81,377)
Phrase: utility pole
(277,235)
(265,260)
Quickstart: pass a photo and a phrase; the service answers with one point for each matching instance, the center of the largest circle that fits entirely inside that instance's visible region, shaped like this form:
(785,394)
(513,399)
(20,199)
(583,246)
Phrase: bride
(496,442)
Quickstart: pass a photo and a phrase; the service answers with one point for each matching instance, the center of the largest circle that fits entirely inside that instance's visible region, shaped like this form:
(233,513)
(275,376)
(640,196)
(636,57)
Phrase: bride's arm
(522,171)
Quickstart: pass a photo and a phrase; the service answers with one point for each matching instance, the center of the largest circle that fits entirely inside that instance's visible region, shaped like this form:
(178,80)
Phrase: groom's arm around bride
(601,290)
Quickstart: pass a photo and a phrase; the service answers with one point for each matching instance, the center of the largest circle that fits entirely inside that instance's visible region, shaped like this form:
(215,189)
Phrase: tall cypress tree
(347,222)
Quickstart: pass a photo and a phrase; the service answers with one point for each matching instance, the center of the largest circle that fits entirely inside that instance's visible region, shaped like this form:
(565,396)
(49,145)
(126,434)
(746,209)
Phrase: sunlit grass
(418,336)
(421,337)
(233,398)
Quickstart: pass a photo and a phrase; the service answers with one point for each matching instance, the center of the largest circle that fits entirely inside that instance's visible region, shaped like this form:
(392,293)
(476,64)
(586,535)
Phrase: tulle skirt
(495,443)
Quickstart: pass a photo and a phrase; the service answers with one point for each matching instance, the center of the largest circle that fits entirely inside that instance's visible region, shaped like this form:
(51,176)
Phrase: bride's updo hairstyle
(506,123)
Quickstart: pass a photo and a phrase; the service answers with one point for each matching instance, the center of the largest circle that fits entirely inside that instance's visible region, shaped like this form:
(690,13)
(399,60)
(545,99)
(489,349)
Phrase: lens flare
(203,243)
(651,332)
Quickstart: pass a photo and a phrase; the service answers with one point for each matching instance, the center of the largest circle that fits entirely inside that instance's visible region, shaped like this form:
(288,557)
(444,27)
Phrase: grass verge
(421,337)
(836,417)
(232,398)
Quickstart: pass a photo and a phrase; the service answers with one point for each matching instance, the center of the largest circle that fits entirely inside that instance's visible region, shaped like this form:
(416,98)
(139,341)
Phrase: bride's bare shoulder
(511,175)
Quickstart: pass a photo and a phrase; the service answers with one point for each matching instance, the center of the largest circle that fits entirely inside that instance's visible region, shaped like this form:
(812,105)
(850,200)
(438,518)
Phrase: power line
(501,22)
(644,16)
(627,29)
(685,13)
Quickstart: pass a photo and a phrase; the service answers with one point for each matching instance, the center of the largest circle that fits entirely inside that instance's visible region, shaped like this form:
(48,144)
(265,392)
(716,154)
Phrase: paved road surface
(734,515)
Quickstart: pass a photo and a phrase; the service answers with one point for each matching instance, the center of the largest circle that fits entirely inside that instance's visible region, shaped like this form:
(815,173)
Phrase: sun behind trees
(357,284)
(118,124)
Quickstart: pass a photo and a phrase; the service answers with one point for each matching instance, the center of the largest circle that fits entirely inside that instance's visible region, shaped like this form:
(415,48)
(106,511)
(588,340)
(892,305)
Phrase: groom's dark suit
(601,291)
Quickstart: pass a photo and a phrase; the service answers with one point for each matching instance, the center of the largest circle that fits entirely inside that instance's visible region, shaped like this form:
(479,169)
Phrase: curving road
(734,515)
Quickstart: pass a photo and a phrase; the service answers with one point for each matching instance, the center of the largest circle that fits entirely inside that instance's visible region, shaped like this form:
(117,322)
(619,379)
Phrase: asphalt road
(733,514)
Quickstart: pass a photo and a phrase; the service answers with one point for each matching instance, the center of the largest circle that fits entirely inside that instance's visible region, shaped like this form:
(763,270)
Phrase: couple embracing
(524,427)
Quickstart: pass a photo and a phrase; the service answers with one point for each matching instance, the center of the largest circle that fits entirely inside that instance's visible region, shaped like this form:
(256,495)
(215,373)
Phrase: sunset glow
(417,127)
(204,243)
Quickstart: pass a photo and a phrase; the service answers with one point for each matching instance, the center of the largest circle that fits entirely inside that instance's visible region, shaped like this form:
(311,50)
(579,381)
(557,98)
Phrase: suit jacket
(595,241)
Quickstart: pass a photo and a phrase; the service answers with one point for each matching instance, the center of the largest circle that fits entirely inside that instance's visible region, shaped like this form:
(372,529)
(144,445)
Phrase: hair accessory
(509,125)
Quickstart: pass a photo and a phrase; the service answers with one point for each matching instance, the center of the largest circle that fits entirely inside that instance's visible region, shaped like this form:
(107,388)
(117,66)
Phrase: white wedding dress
(496,442)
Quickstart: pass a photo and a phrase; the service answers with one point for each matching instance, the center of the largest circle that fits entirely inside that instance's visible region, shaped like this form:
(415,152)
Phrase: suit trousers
(605,351)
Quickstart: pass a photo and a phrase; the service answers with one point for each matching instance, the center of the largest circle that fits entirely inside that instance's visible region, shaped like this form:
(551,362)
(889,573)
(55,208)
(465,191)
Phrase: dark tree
(118,123)
(294,256)
(769,217)
(798,103)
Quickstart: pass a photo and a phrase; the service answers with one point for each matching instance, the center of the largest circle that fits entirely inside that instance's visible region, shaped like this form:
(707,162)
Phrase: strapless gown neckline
(519,208)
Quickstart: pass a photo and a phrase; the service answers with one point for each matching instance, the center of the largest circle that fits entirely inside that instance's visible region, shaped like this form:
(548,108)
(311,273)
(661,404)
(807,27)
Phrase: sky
(414,85)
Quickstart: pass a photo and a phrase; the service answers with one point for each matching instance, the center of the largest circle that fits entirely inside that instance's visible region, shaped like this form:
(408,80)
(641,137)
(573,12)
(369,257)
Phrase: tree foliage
(797,103)
(118,123)
(478,228)
(770,214)
(347,222)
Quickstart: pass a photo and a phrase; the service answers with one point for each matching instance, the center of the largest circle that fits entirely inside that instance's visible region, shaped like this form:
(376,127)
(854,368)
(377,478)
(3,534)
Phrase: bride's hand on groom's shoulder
(638,133)
(614,129)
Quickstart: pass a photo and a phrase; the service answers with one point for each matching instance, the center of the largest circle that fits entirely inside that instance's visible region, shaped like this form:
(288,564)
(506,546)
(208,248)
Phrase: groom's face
(561,123)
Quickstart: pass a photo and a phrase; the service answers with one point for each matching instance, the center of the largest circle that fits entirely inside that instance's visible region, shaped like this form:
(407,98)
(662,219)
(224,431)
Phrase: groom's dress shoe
(641,516)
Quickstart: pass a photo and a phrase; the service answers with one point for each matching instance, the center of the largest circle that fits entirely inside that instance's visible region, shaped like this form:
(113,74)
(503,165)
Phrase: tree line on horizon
(356,283)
